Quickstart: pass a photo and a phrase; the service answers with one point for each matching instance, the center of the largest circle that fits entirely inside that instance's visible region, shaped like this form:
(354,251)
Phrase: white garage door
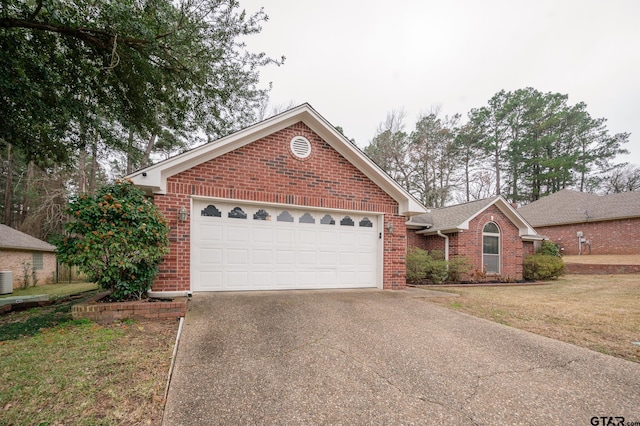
(253,247)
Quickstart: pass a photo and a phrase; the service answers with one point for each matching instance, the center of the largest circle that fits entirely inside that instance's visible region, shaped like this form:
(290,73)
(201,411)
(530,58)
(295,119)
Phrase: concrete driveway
(381,357)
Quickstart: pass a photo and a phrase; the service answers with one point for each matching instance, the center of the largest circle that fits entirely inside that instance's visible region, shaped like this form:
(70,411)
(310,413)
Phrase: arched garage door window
(491,248)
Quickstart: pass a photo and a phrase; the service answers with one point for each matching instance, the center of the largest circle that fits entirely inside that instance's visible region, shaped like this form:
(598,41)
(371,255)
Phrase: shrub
(437,271)
(423,265)
(542,267)
(550,249)
(436,254)
(117,237)
(417,263)
(458,266)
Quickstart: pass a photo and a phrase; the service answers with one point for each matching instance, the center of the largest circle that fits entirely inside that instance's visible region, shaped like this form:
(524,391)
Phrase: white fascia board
(154,178)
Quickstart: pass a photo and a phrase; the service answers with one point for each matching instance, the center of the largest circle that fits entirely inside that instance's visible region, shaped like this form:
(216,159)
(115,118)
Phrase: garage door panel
(262,256)
(281,249)
(285,279)
(347,258)
(283,235)
(327,258)
(285,257)
(328,236)
(307,257)
(211,280)
(307,236)
(261,280)
(237,256)
(327,278)
(348,238)
(237,279)
(262,234)
(237,233)
(211,256)
(210,232)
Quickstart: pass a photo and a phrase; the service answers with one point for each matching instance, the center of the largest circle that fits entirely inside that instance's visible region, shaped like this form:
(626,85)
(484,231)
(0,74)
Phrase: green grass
(54,370)
(32,321)
(53,290)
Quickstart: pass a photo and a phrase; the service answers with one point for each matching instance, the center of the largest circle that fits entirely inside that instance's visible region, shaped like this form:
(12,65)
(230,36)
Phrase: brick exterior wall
(12,260)
(265,171)
(469,243)
(606,237)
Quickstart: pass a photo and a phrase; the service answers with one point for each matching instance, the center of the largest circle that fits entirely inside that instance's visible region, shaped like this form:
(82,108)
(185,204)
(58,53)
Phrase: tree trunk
(129,151)
(82,171)
(147,152)
(93,171)
(28,192)
(8,192)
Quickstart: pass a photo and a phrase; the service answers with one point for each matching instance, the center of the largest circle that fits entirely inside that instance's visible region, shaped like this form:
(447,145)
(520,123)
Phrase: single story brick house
(583,223)
(19,251)
(490,233)
(288,203)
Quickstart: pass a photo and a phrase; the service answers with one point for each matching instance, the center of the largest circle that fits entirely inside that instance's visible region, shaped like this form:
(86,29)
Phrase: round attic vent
(300,147)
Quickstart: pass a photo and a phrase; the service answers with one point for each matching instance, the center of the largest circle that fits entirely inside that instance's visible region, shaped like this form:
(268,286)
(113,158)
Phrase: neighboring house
(23,254)
(490,233)
(583,223)
(288,203)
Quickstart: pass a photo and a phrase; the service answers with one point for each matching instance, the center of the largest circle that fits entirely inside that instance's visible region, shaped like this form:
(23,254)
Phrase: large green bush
(549,248)
(417,262)
(431,266)
(117,237)
(542,267)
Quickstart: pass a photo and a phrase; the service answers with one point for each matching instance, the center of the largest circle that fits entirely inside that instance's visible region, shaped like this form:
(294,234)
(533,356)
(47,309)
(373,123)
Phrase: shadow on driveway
(381,357)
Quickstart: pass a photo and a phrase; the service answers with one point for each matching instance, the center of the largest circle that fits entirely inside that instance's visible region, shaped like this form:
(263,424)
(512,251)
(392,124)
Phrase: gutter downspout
(446,245)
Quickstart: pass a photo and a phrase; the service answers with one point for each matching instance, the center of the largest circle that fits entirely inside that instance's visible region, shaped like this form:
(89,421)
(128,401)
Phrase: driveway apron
(381,357)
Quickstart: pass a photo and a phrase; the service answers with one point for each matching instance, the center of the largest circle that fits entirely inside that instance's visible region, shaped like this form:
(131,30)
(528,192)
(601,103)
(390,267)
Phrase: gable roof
(568,206)
(153,179)
(13,239)
(456,218)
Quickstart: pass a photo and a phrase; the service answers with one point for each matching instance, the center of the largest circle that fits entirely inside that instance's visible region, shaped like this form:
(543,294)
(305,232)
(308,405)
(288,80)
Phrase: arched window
(491,248)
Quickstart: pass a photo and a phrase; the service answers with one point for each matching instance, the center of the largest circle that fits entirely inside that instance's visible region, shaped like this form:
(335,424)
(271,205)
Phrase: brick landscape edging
(141,309)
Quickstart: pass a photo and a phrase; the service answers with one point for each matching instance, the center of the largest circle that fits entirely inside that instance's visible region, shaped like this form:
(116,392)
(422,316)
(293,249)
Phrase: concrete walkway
(381,357)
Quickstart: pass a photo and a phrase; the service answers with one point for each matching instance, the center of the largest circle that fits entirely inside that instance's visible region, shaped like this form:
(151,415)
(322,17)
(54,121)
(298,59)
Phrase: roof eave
(533,237)
(442,231)
(48,250)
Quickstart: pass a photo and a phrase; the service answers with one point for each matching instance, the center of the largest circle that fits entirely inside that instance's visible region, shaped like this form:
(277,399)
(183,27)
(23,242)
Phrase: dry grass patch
(86,374)
(600,312)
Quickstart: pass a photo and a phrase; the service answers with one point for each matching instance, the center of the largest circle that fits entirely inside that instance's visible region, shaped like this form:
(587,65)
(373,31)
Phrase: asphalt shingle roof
(568,206)
(451,217)
(16,240)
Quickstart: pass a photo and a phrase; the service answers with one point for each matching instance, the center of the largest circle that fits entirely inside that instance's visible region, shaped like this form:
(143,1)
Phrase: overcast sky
(354,61)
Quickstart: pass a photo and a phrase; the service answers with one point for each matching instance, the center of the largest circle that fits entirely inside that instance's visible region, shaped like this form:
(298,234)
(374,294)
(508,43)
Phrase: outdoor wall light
(390,227)
(182,214)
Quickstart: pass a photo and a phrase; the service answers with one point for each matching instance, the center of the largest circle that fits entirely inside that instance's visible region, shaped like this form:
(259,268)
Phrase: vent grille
(300,147)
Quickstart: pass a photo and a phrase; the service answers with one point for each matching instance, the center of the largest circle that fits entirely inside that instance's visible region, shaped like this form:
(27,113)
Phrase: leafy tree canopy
(110,65)
(117,237)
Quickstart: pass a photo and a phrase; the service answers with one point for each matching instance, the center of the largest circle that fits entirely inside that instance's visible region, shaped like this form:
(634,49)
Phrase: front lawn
(600,312)
(53,290)
(55,371)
